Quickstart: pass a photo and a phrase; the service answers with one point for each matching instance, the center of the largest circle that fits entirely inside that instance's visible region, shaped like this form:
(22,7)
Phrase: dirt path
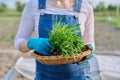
(7,60)
(106,37)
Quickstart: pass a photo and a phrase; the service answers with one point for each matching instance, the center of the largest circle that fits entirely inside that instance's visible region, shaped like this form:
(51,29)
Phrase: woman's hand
(89,46)
(39,45)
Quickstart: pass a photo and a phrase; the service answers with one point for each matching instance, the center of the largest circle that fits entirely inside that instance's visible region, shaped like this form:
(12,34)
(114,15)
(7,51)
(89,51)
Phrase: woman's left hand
(89,46)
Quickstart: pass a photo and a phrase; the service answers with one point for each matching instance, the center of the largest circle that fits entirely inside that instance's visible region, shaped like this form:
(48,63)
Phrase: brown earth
(106,38)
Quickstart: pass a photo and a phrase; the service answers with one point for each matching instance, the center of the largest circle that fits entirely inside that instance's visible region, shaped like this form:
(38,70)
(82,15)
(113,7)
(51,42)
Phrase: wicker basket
(56,60)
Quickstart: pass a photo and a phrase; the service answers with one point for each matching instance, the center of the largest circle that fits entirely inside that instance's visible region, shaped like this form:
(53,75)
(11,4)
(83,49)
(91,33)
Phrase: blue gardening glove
(89,46)
(86,58)
(39,45)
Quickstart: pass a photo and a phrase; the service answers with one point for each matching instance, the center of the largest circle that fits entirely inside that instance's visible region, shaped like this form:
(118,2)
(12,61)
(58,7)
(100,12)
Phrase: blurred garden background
(107,29)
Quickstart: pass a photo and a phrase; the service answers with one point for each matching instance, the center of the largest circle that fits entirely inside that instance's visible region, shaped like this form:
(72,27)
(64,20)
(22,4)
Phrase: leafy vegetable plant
(64,39)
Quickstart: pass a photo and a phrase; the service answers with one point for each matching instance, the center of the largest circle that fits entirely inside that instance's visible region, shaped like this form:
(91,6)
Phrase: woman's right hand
(39,45)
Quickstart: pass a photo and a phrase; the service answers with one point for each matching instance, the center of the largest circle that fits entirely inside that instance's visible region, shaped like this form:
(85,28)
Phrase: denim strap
(41,4)
(77,5)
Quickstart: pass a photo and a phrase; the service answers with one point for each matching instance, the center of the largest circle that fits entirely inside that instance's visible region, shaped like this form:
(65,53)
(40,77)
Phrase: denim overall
(65,71)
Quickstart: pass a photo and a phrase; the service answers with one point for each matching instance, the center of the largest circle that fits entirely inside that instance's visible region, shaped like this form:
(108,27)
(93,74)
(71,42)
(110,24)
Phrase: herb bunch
(64,39)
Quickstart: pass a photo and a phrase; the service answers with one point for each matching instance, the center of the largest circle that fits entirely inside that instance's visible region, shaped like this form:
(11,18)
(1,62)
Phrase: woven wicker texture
(56,60)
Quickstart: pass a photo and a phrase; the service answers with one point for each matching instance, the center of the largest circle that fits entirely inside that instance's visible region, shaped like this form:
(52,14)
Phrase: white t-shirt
(31,14)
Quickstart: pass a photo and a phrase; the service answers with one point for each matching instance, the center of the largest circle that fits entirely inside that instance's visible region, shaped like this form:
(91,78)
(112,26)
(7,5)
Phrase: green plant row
(114,20)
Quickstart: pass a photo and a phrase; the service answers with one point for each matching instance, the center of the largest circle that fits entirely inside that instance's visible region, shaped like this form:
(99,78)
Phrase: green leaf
(64,39)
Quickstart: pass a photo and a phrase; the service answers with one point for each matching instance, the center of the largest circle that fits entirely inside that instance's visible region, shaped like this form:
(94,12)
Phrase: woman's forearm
(23,46)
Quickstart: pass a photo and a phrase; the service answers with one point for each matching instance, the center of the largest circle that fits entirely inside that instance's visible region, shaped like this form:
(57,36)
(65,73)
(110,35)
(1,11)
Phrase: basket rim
(54,57)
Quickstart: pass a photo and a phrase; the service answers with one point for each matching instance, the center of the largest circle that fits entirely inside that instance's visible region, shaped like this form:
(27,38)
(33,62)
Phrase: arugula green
(64,39)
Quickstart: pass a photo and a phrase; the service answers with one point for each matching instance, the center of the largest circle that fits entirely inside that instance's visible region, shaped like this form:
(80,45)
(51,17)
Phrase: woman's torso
(52,9)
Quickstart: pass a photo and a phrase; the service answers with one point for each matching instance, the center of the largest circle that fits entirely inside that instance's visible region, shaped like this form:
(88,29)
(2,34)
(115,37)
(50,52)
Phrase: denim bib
(65,71)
